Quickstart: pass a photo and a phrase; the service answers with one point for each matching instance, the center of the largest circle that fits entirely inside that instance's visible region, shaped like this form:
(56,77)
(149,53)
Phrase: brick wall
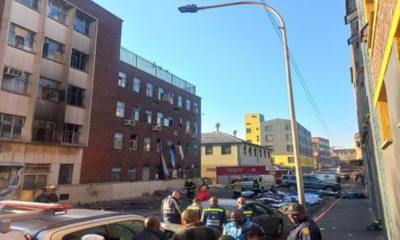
(383,24)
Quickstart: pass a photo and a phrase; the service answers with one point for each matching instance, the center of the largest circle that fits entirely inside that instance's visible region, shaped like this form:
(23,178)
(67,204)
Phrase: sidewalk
(348,220)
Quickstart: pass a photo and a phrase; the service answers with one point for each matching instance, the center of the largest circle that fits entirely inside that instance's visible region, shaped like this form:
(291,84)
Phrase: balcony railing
(151,68)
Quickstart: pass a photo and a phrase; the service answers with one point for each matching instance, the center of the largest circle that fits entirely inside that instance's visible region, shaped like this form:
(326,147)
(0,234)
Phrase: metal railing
(151,68)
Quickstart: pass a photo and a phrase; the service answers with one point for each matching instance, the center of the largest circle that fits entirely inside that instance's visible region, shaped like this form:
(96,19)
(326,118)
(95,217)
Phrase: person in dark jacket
(256,187)
(151,230)
(43,197)
(190,189)
(241,202)
(53,198)
(170,208)
(305,228)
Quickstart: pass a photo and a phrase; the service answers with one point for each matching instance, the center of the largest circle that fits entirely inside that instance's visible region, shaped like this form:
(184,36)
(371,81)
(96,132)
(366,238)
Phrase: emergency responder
(214,216)
(237,189)
(241,202)
(204,183)
(43,197)
(196,206)
(190,189)
(256,187)
(305,228)
(53,198)
(170,208)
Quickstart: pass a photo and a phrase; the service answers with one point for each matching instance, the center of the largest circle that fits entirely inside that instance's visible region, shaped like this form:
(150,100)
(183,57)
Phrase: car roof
(48,220)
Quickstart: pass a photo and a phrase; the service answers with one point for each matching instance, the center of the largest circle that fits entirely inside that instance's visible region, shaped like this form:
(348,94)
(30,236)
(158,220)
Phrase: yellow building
(220,149)
(277,135)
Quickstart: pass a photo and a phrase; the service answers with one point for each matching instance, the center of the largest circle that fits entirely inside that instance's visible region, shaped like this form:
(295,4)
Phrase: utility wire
(301,78)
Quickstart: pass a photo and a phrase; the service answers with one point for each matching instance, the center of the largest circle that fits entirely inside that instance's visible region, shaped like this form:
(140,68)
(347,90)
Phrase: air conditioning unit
(13,72)
(129,122)
(156,128)
(175,132)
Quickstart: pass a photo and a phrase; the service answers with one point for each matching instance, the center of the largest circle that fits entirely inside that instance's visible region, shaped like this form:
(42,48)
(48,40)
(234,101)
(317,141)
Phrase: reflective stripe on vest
(214,210)
(214,217)
(194,208)
(248,213)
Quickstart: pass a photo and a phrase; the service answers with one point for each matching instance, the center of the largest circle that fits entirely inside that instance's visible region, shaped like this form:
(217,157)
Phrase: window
(188,127)
(180,101)
(43,131)
(71,133)
(225,149)
(65,174)
(30,3)
(135,113)
(11,126)
(196,107)
(188,104)
(118,140)
(82,22)
(288,127)
(122,79)
(244,150)
(195,149)
(136,85)
(250,151)
(159,145)
(75,96)
(289,148)
(120,109)
(35,176)
(149,116)
(147,144)
(268,128)
(209,149)
(195,128)
(187,149)
(160,117)
(15,81)
(20,37)
(169,122)
(100,230)
(160,94)
(133,143)
(116,174)
(290,159)
(48,90)
(269,138)
(146,174)
(53,50)
(289,137)
(179,123)
(79,60)
(149,90)
(57,11)
(255,152)
(132,173)
(248,130)
(171,97)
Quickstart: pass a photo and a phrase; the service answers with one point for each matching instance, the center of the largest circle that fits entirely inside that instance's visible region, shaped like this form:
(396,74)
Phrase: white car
(266,182)
(60,222)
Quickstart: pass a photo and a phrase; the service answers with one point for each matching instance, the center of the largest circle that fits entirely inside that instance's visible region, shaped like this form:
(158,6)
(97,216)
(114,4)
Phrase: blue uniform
(170,210)
(247,212)
(306,230)
(214,217)
(236,232)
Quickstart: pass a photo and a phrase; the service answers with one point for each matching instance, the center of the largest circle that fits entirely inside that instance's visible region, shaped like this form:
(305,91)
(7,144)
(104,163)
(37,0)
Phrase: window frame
(118,140)
(70,173)
(149,90)
(149,116)
(137,82)
(120,112)
(226,149)
(53,94)
(12,125)
(79,60)
(71,136)
(86,23)
(61,9)
(75,96)
(28,38)
(147,144)
(58,48)
(15,84)
(34,4)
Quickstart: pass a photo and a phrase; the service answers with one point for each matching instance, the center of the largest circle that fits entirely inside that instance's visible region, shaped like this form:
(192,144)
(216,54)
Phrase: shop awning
(12,164)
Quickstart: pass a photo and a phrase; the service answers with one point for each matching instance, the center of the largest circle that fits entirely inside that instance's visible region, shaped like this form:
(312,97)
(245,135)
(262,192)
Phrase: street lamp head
(191,8)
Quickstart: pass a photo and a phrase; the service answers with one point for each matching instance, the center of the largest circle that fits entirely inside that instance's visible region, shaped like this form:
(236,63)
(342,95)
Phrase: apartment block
(321,153)
(76,107)
(277,135)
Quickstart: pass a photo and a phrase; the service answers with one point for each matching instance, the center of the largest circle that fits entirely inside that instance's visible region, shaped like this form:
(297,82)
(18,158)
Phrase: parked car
(326,177)
(55,222)
(311,182)
(266,182)
(265,217)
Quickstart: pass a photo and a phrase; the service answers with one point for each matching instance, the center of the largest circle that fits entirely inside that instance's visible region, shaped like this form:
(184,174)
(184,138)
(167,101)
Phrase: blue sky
(235,59)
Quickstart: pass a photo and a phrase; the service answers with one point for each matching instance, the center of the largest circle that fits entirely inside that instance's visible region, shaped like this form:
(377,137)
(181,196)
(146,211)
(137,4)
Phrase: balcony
(151,68)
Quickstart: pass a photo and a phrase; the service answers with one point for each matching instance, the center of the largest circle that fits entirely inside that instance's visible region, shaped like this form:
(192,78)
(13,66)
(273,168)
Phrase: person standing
(190,189)
(151,230)
(194,229)
(239,222)
(43,197)
(241,202)
(170,208)
(53,198)
(214,216)
(305,228)
(237,189)
(203,194)
(196,206)
(256,187)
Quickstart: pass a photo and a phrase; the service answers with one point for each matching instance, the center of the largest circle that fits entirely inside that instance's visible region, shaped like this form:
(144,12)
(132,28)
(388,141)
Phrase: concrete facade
(215,153)
(376,30)
(321,153)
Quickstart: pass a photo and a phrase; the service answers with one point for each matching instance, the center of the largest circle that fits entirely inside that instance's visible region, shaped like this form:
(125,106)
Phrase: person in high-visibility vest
(256,187)
(214,216)
(248,213)
(196,206)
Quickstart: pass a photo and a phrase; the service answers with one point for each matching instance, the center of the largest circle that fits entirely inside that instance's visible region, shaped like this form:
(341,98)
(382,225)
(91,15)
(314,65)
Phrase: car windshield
(248,179)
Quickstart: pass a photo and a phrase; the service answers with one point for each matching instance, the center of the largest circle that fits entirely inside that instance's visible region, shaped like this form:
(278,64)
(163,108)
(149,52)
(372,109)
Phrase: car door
(264,217)
(307,182)
(124,230)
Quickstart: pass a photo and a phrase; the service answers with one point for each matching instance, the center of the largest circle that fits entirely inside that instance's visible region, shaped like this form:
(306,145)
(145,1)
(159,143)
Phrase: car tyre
(292,187)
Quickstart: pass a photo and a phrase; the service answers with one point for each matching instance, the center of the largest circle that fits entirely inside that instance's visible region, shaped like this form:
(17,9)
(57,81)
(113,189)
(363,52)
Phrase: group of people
(48,195)
(211,222)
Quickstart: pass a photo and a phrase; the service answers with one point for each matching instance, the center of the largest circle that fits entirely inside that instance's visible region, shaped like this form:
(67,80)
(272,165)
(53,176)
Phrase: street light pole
(192,8)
